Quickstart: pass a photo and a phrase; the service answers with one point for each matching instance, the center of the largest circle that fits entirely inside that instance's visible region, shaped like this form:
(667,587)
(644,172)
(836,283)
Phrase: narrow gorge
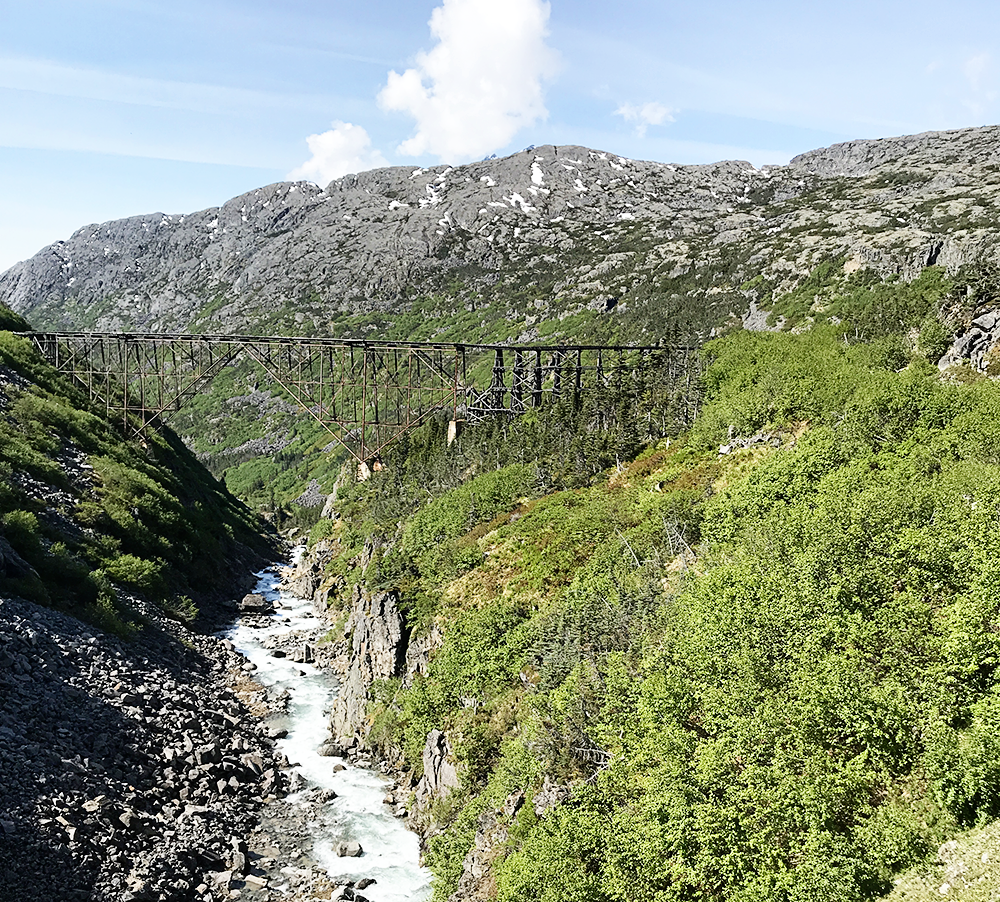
(727,635)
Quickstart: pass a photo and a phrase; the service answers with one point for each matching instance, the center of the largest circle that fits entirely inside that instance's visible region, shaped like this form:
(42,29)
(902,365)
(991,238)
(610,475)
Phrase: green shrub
(477,501)
(22,530)
(934,338)
(322,529)
(11,321)
(562,859)
(146,576)
(106,612)
(181,608)
(799,715)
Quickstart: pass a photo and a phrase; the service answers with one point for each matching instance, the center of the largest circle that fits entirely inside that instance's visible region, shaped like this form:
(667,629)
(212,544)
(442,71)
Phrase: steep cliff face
(377,652)
(567,226)
(375,640)
(375,643)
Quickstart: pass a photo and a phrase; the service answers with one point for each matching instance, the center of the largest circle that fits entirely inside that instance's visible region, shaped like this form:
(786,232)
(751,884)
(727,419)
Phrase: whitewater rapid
(391,852)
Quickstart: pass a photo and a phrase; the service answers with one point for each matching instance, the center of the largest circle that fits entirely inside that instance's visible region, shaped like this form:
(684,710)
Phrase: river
(391,851)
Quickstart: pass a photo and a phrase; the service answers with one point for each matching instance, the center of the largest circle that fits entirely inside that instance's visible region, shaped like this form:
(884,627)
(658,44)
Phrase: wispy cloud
(976,69)
(980,92)
(344,148)
(46,77)
(480,84)
(645,115)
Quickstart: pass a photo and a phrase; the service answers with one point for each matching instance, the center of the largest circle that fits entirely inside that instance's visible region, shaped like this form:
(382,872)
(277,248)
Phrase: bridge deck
(366,393)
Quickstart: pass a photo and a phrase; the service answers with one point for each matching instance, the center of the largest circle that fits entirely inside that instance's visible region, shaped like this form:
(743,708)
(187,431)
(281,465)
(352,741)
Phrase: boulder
(350,849)
(255,603)
(332,750)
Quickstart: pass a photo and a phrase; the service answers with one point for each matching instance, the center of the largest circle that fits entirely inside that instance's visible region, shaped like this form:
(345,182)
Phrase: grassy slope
(87,510)
(965,869)
(802,710)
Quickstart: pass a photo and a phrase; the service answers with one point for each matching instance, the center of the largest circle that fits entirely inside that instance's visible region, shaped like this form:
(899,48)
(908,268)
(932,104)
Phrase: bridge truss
(365,394)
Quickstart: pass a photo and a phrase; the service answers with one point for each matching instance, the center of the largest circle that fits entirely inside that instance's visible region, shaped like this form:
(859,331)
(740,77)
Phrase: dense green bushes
(11,321)
(866,307)
(800,712)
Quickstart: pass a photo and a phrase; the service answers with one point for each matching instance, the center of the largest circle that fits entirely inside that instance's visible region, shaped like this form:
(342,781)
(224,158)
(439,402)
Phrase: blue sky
(110,108)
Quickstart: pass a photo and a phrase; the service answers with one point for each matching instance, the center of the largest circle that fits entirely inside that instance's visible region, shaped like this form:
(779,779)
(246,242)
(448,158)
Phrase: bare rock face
(378,652)
(306,577)
(418,652)
(550,795)
(475,883)
(440,772)
(12,565)
(861,158)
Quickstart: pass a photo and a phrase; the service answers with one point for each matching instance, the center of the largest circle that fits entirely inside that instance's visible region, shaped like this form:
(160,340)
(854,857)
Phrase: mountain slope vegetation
(83,510)
(762,672)
(747,657)
(554,244)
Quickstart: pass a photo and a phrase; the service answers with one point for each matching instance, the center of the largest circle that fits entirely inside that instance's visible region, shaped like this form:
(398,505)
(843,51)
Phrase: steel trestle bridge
(365,393)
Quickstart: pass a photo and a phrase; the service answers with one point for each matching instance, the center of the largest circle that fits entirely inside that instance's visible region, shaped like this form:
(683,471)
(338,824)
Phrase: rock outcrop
(378,652)
(254,603)
(356,244)
(440,775)
(12,565)
(854,159)
(373,642)
(975,345)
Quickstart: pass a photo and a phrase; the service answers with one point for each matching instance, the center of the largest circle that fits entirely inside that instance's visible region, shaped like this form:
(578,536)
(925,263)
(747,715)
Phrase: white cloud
(345,148)
(978,72)
(976,68)
(645,115)
(480,84)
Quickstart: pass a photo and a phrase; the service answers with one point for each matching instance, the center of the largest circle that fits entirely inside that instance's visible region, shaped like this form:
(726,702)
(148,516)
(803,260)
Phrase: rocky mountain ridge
(545,233)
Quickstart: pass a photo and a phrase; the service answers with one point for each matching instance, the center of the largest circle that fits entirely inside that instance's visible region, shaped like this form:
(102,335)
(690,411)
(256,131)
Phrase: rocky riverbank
(146,768)
(368,640)
(131,770)
(365,639)
(348,813)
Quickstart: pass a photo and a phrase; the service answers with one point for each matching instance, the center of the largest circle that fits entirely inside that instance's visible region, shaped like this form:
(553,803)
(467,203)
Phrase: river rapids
(391,852)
